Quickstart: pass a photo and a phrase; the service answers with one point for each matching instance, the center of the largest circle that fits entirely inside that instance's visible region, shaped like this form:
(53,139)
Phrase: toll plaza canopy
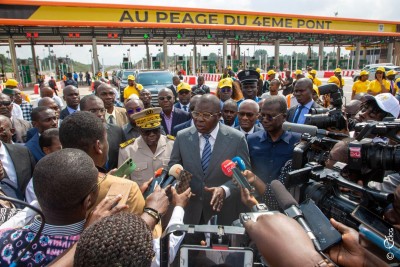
(46,22)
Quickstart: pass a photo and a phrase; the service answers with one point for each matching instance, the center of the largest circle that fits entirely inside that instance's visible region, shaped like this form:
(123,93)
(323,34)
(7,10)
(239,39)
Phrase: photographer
(376,108)
(283,242)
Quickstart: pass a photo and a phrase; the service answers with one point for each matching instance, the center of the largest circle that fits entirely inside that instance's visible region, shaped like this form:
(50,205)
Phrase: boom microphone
(229,169)
(291,209)
(310,129)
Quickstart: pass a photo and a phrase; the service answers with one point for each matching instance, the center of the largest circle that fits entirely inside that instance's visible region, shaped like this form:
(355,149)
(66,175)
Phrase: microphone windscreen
(227,167)
(284,198)
(175,170)
(158,172)
(240,163)
(300,128)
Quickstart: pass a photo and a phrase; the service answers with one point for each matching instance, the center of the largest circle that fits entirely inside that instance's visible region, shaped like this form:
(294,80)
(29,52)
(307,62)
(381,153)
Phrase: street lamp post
(219,55)
(91,56)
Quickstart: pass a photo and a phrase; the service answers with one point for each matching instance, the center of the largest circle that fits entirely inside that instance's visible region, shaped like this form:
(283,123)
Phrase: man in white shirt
(273,89)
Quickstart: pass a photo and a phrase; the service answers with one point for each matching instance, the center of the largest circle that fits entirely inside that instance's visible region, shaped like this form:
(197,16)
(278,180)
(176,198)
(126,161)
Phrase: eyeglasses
(5,103)
(97,110)
(161,98)
(154,131)
(247,114)
(204,115)
(269,117)
(226,90)
(133,111)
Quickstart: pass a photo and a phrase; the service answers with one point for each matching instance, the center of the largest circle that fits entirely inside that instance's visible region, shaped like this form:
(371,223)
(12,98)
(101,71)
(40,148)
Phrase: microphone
(291,209)
(174,172)
(309,129)
(159,176)
(239,163)
(229,169)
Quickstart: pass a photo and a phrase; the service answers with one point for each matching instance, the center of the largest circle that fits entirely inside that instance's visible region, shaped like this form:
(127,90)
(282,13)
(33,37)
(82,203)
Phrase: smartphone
(126,168)
(208,257)
(119,188)
(384,229)
(323,230)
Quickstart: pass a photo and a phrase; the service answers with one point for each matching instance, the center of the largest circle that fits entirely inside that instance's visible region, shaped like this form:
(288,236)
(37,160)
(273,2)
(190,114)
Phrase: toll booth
(332,64)
(209,66)
(313,63)
(126,64)
(235,65)
(25,73)
(254,64)
(363,62)
(281,63)
(156,65)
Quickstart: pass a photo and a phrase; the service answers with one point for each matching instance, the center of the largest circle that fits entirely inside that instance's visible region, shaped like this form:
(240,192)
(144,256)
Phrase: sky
(366,9)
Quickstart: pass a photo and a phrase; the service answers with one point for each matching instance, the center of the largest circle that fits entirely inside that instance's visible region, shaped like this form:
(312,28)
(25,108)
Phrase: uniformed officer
(151,150)
(249,80)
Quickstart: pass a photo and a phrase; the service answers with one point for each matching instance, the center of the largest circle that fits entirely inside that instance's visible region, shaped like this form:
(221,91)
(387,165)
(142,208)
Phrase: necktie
(185,108)
(245,135)
(110,119)
(296,118)
(205,157)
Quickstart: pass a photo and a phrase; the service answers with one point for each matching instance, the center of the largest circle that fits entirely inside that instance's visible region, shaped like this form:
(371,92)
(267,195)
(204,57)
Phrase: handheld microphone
(291,209)
(310,129)
(239,163)
(159,176)
(174,172)
(229,169)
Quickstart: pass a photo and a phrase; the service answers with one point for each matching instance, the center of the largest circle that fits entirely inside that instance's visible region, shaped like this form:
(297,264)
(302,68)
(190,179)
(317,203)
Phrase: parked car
(122,80)
(371,68)
(154,81)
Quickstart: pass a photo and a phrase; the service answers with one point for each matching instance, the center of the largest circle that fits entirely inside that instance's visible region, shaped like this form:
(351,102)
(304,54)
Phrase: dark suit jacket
(64,113)
(24,163)
(30,133)
(34,148)
(186,151)
(21,130)
(180,106)
(180,116)
(115,136)
(173,91)
(181,126)
(292,111)
(256,128)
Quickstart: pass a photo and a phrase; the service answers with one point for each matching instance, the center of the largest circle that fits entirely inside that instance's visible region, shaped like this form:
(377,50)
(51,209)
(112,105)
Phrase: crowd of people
(62,159)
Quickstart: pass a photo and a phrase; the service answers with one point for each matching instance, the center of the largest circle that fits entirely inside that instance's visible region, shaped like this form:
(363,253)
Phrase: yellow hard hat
(334,79)
(183,86)
(391,72)
(229,67)
(131,77)
(364,72)
(315,88)
(337,70)
(258,70)
(380,69)
(271,72)
(11,82)
(227,82)
(297,72)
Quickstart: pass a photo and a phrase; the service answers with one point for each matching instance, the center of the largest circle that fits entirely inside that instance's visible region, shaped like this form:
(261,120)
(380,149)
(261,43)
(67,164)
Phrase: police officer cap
(248,76)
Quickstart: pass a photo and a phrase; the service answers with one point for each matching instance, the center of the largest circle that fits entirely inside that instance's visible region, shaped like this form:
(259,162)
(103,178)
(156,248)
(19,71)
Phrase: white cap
(387,102)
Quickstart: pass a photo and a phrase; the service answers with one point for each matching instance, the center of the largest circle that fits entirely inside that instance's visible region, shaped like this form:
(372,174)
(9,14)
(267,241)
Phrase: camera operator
(283,242)
(376,108)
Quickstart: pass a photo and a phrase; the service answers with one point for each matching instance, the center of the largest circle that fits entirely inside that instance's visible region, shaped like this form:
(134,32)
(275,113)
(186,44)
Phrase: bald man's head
(46,92)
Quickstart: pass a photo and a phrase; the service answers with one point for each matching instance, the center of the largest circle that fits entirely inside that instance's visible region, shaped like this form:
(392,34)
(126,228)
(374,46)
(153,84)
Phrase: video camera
(334,118)
(389,129)
(324,185)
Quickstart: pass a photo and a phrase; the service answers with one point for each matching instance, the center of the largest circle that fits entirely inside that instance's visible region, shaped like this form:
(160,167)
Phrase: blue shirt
(304,111)
(267,157)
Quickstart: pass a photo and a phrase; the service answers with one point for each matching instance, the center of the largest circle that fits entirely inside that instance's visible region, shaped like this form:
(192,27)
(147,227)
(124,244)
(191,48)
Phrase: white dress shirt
(16,112)
(212,139)
(8,164)
(249,132)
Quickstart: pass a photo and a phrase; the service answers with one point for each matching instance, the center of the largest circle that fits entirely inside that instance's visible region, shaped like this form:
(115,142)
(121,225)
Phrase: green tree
(260,52)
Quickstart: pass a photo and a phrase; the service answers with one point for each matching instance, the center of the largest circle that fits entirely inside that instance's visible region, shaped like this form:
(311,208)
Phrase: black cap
(248,76)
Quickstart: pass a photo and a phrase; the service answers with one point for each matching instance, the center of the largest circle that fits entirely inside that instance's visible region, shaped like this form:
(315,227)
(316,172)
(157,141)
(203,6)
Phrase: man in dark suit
(187,124)
(201,149)
(72,98)
(303,91)
(248,115)
(18,164)
(43,118)
(200,88)
(170,116)
(183,96)
(175,82)
(115,134)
